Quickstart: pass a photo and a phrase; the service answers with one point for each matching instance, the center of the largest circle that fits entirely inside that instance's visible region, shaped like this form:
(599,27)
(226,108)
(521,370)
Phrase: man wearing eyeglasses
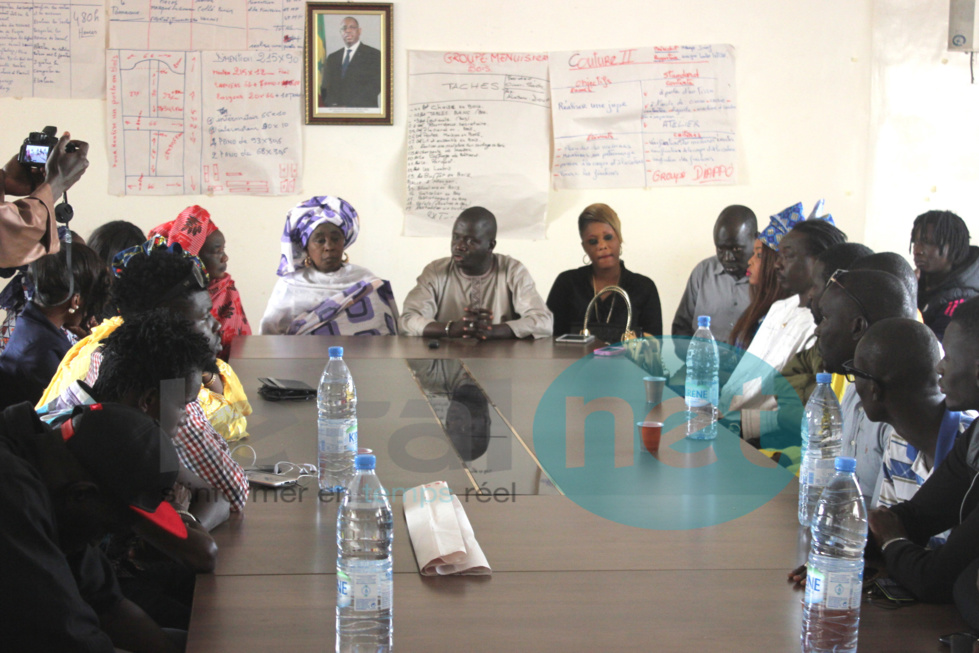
(894,371)
(949,498)
(850,304)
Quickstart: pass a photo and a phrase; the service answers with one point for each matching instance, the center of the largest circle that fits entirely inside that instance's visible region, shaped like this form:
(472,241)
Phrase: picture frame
(355,86)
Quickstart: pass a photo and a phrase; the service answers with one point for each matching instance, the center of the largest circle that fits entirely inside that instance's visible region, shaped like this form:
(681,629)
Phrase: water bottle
(701,390)
(365,530)
(336,402)
(823,433)
(834,573)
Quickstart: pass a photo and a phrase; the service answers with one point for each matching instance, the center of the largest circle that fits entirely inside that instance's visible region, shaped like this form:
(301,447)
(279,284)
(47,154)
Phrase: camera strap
(63,213)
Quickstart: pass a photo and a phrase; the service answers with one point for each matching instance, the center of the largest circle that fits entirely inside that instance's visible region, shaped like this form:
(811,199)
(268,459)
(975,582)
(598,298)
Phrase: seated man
(802,368)
(949,498)
(894,372)
(475,293)
(106,468)
(850,304)
(137,361)
(786,328)
(718,286)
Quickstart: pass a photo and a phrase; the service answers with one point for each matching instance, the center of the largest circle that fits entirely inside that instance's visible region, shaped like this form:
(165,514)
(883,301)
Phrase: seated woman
(199,236)
(765,291)
(319,292)
(107,240)
(948,267)
(61,302)
(601,238)
(149,276)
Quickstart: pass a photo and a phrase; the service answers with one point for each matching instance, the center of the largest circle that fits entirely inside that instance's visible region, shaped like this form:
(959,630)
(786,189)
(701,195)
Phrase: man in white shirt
(784,331)
(475,293)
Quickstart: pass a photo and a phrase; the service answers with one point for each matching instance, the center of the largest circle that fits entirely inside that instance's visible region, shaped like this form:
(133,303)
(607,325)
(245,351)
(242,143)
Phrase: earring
(585,259)
(71,311)
(308,262)
(345,258)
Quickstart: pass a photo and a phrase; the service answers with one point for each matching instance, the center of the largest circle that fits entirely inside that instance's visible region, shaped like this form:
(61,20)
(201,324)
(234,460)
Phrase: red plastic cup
(650,432)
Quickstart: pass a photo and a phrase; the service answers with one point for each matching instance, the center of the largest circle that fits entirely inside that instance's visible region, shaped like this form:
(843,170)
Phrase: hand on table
(798,577)
(885,525)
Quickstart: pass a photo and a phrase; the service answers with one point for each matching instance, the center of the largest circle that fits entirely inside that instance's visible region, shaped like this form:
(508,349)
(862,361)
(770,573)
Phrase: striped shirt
(904,467)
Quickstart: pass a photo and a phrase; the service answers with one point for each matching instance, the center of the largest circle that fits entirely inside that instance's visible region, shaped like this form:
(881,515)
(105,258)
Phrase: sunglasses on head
(836,279)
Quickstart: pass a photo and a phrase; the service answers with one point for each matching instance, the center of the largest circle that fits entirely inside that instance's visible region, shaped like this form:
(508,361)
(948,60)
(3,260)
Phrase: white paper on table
(478,135)
(205,24)
(440,532)
(52,48)
(189,123)
(643,117)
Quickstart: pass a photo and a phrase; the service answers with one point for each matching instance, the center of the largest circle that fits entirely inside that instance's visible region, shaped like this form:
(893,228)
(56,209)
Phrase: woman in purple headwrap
(319,291)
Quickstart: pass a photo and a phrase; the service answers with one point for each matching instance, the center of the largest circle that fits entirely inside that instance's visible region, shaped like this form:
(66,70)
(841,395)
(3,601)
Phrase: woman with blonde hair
(573,290)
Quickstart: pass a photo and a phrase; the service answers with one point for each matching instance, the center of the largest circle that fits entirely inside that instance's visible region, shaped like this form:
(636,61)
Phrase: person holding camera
(28,229)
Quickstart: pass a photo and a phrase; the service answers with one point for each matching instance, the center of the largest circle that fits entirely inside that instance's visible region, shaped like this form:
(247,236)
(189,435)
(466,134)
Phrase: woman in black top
(601,238)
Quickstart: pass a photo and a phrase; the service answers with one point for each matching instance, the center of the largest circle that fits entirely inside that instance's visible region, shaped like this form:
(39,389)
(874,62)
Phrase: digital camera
(37,146)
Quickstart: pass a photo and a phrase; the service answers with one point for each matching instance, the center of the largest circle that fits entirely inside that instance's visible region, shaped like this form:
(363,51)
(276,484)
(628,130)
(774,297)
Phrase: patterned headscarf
(303,220)
(783,221)
(190,229)
(122,259)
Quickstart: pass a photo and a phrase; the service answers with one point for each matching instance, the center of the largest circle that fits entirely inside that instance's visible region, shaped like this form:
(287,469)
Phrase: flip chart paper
(205,24)
(52,49)
(478,135)
(642,117)
(187,123)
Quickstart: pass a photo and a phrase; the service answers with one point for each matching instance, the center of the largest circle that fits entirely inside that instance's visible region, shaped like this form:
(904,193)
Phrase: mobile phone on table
(894,591)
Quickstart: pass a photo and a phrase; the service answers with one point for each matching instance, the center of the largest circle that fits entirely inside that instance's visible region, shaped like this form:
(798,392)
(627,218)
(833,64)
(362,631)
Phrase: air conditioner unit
(963,26)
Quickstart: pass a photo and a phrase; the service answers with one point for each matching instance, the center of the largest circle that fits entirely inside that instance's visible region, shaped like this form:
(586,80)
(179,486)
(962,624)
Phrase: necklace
(611,307)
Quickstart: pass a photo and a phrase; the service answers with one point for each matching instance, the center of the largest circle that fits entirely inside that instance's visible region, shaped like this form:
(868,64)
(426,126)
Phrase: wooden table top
(564,579)
(316,347)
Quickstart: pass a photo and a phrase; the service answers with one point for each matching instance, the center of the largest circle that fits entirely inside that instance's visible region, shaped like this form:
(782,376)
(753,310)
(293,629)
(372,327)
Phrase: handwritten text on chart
(204,122)
(52,49)
(206,24)
(644,117)
(477,124)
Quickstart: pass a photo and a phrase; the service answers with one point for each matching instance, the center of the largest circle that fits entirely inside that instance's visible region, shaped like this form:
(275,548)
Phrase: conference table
(564,578)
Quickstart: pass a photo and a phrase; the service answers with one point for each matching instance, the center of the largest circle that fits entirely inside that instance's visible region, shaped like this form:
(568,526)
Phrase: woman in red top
(198,235)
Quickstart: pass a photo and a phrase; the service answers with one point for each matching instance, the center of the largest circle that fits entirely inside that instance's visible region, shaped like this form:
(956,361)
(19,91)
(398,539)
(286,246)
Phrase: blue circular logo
(586,438)
(958,40)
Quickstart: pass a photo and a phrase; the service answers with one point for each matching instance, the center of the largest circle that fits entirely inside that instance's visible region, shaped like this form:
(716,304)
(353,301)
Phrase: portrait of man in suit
(351,76)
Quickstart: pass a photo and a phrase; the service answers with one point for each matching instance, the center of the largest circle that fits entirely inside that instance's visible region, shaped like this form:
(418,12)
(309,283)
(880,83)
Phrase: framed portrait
(348,63)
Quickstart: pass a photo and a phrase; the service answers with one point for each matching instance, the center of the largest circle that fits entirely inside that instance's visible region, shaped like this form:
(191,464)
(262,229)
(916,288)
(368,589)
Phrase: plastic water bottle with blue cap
(365,532)
(822,441)
(701,389)
(834,571)
(336,402)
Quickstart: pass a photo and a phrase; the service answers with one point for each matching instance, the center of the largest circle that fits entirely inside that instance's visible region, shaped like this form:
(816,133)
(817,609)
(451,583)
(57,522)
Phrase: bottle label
(834,590)
(819,471)
(344,589)
(338,436)
(365,588)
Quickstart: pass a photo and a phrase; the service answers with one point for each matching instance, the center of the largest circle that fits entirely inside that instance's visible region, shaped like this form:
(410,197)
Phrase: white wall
(803,88)
(924,126)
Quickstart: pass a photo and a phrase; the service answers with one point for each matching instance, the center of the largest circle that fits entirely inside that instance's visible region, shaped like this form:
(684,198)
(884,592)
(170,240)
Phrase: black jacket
(948,499)
(937,304)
